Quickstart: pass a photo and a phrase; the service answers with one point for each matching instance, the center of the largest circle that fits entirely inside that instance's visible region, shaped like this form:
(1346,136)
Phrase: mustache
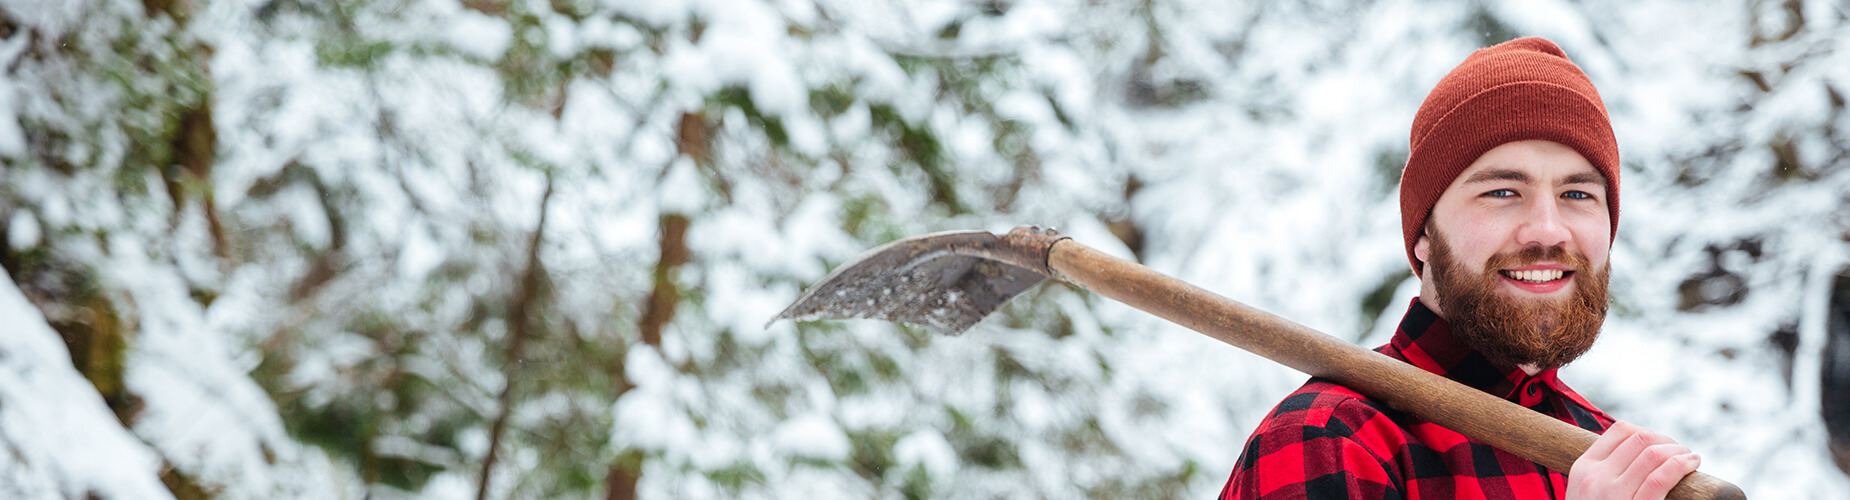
(1537,254)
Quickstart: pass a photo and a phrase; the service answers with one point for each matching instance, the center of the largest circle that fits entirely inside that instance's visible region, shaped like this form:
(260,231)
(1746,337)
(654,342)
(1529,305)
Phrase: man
(1509,204)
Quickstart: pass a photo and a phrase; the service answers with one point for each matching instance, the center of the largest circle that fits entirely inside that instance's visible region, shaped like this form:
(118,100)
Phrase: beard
(1512,331)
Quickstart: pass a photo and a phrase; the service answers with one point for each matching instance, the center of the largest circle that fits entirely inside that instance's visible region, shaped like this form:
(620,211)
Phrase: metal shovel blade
(943,282)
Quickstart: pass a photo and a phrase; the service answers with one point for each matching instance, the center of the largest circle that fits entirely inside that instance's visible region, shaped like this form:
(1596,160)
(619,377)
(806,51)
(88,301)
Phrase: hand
(1629,462)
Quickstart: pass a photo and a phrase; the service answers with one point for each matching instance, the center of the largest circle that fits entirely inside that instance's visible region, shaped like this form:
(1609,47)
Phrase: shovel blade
(942,282)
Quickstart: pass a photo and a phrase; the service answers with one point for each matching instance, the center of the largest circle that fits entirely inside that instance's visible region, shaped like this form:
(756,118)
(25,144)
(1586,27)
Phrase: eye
(1577,195)
(1501,193)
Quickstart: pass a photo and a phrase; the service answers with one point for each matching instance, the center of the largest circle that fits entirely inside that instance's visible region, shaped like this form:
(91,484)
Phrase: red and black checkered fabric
(1326,441)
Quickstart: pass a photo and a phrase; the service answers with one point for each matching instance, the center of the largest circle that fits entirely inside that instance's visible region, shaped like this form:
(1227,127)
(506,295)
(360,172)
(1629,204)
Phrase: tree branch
(517,338)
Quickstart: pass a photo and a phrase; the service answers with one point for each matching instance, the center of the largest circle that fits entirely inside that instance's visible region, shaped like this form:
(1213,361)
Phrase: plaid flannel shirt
(1326,441)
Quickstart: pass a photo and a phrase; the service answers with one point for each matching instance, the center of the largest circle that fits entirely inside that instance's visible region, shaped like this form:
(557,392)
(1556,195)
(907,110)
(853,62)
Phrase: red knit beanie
(1518,90)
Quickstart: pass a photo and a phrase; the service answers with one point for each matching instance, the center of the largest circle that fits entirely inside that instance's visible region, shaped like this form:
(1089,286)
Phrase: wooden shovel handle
(1502,424)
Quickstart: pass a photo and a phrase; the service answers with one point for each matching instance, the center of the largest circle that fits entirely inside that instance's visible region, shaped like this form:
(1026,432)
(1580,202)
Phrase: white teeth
(1536,276)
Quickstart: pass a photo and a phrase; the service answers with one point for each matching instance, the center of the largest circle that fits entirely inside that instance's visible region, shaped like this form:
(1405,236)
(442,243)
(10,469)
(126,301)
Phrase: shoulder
(1322,411)
(1324,404)
(1319,433)
(1583,413)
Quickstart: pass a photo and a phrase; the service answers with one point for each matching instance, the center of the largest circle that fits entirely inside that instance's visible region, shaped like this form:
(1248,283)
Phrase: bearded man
(1509,205)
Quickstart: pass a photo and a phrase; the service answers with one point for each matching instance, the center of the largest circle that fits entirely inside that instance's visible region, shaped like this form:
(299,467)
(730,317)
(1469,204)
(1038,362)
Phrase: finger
(1648,461)
(1666,476)
(1604,446)
(1628,450)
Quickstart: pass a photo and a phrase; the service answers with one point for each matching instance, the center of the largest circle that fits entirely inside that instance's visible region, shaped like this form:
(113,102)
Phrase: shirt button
(1532,389)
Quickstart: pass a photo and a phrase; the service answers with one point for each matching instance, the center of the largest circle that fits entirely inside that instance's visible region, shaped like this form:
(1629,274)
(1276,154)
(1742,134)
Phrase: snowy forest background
(527,248)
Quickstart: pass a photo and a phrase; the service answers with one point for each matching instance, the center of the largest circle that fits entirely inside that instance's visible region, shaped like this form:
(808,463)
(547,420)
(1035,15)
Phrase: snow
(479,34)
(814,437)
(647,416)
(683,190)
(927,449)
(62,441)
(200,409)
(12,139)
(419,256)
(22,231)
(660,13)
(1263,137)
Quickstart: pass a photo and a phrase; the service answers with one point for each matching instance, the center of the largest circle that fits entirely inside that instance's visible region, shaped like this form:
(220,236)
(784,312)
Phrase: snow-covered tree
(526,248)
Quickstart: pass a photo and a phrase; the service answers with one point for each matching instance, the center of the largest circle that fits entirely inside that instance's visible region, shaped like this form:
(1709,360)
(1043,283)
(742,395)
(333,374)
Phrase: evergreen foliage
(526,248)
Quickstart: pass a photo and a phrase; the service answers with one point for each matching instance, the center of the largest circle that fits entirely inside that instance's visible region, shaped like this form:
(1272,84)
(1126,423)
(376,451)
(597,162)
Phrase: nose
(1543,226)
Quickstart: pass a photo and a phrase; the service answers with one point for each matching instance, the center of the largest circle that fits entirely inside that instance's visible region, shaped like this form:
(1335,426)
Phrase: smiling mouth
(1537,276)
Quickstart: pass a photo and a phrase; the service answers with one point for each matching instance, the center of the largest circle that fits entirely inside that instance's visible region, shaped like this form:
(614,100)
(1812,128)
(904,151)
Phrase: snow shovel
(946,282)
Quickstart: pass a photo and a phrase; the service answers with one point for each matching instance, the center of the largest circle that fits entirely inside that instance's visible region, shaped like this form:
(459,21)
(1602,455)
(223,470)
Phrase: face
(1515,254)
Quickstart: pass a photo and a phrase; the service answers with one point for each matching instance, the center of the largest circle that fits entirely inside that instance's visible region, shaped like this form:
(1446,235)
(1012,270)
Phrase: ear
(1422,250)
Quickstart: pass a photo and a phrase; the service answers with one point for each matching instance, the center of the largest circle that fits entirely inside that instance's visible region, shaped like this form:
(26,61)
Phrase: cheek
(1474,240)
(1595,242)
(1596,253)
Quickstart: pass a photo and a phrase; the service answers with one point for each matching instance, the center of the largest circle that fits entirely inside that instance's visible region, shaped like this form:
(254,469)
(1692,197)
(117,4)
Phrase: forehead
(1530,162)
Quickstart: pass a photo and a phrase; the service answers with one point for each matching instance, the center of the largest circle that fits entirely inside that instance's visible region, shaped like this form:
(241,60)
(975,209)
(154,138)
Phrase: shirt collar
(1425,340)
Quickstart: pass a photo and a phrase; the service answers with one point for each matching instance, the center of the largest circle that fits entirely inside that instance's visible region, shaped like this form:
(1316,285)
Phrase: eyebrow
(1503,174)
(1497,174)
(1585,178)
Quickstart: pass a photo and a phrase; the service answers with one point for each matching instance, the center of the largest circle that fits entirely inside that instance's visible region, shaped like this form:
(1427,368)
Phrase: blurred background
(528,248)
